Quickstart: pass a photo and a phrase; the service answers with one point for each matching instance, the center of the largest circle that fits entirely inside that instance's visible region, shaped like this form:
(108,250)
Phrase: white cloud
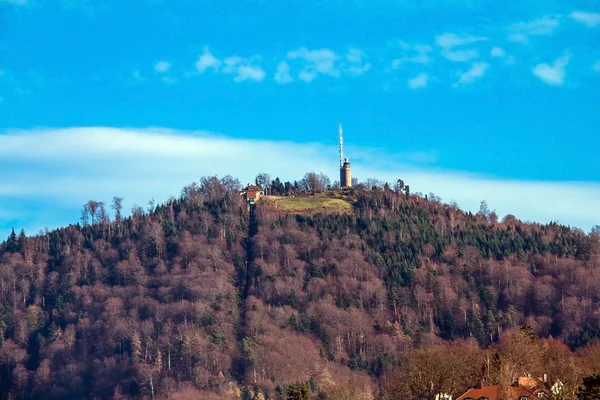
(596,66)
(449,40)
(477,71)
(282,75)
(552,74)
(99,163)
(588,18)
(206,61)
(521,31)
(419,81)
(307,76)
(321,61)
(357,64)
(244,69)
(162,66)
(449,43)
(460,55)
(419,54)
(498,52)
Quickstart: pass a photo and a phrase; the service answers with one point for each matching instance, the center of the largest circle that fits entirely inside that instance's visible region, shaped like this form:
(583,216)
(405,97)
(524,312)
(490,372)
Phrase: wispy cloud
(476,72)
(207,61)
(449,40)
(590,19)
(460,55)
(453,46)
(521,31)
(357,63)
(419,81)
(162,66)
(326,62)
(282,75)
(244,69)
(418,53)
(498,52)
(97,163)
(320,61)
(552,74)
(596,66)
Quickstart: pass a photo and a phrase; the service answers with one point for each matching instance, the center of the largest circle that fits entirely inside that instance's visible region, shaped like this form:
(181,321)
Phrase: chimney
(545,378)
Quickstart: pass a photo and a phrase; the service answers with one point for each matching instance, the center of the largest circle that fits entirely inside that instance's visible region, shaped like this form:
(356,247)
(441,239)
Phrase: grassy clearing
(312,204)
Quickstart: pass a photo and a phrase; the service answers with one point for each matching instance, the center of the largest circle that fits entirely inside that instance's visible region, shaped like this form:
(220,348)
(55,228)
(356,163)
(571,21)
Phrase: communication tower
(345,170)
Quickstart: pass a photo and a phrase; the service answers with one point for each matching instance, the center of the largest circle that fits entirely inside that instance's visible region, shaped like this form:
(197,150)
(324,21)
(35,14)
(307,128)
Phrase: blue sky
(471,100)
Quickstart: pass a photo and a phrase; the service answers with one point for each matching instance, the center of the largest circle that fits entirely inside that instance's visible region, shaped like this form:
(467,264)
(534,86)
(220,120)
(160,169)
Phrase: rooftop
(494,393)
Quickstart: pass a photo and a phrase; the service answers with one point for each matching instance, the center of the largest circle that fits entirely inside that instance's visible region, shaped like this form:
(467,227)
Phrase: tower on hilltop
(345,170)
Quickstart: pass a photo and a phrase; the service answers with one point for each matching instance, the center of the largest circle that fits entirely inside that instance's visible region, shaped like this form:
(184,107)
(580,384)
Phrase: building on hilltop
(252,193)
(345,174)
(345,170)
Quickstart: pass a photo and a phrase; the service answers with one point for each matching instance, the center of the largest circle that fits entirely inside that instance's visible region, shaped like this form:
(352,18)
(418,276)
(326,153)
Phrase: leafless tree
(117,205)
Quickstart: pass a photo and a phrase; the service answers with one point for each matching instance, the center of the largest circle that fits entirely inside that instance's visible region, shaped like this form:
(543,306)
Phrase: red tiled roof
(251,195)
(493,393)
(254,188)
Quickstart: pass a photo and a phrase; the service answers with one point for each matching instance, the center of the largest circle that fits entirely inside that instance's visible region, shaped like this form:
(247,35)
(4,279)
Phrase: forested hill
(204,298)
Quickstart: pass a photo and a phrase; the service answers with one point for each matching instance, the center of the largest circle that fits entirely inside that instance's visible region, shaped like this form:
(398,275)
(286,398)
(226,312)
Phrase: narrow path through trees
(245,274)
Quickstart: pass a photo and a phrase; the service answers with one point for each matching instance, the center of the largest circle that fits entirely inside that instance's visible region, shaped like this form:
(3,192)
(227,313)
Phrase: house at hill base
(495,393)
(540,386)
(252,193)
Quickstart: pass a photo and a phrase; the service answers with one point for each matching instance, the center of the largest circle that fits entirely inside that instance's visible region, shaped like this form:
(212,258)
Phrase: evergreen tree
(12,244)
(298,391)
(22,243)
(476,327)
(590,390)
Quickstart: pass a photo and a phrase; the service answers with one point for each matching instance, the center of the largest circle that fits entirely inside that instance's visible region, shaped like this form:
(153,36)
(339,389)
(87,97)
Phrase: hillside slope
(199,298)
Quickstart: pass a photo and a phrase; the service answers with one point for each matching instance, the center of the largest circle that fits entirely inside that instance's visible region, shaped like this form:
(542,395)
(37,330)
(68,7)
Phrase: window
(523,398)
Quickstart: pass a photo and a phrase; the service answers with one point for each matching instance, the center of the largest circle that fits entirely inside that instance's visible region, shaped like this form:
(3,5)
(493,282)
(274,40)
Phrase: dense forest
(203,297)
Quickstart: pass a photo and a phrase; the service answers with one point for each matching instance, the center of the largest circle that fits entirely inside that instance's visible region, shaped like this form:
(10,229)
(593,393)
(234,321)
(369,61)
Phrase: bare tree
(103,217)
(372,183)
(85,214)
(263,180)
(325,181)
(192,194)
(93,208)
(232,185)
(212,188)
(117,205)
(315,182)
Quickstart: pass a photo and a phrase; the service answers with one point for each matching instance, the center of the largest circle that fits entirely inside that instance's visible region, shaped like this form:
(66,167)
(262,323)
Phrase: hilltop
(341,294)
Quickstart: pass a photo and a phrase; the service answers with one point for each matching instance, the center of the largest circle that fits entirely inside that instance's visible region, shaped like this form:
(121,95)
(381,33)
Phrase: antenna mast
(341,146)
